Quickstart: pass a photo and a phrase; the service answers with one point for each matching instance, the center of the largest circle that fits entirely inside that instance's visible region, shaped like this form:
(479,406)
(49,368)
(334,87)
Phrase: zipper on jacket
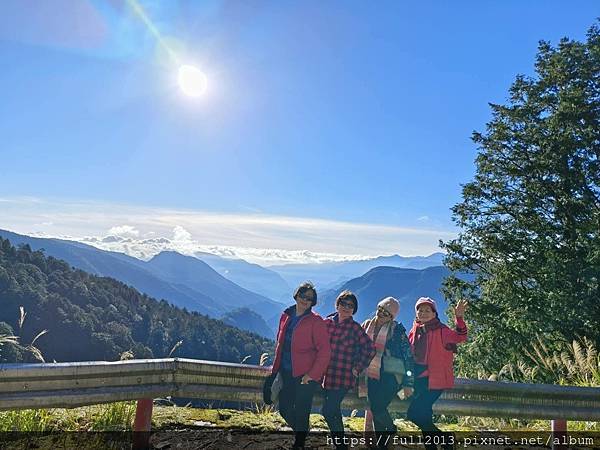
(292,340)
(294,332)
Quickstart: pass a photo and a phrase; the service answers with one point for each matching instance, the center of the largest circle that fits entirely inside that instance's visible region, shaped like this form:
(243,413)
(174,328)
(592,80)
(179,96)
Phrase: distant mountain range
(184,281)
(234,290)
(334,274)
(253,277)
(200,277)
(406,285)
(121,267)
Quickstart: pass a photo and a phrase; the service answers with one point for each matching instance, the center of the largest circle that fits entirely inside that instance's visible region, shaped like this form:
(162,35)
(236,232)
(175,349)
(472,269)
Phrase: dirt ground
(223,439)
(234,439)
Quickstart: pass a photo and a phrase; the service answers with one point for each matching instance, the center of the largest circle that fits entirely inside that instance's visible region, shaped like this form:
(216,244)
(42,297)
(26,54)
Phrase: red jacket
(310,346)
(439,359)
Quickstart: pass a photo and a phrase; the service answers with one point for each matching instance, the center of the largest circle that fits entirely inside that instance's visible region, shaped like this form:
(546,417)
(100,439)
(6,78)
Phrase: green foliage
(530,219)
(10,350)
(96,318)
(26,420)
(119,416)
(113,417)
(109,417)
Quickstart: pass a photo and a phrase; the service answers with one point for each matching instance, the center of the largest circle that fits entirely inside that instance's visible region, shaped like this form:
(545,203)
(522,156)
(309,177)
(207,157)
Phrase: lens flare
(192,80)
(141,13)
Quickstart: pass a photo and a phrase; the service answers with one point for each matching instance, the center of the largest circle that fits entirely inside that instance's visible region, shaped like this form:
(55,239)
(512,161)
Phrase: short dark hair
(347,295)
(304,288)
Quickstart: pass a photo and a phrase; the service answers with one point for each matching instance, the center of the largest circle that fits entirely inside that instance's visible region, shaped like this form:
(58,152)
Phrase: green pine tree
(530,218)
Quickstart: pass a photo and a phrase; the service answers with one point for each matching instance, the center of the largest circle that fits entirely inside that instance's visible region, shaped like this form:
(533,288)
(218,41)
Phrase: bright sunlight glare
(192,80)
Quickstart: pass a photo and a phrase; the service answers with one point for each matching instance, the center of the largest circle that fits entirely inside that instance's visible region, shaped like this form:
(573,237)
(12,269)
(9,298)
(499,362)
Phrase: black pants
(380,394)
(332,412)
(420,411)
(295,403)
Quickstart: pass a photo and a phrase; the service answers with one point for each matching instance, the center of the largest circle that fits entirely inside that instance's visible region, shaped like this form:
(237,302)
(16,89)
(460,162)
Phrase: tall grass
(109,417)
(36,352)
(577,363)
(31,348)
(8,339)
(175,347)
(113,417)
(262,409)
(27,420)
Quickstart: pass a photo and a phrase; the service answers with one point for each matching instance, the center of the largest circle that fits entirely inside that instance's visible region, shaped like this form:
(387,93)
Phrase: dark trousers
(295,403)
(420,411)
(332,412)
(380,394)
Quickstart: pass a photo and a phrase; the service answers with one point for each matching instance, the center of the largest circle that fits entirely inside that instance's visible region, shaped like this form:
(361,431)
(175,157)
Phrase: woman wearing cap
(302,355)
(351,353)
(433,345)
(379,385)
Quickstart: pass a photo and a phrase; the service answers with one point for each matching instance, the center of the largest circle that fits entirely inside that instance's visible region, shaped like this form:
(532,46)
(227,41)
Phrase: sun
(192,81)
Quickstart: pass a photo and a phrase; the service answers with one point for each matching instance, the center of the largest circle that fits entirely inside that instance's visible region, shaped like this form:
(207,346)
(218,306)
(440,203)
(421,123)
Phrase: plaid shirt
(351,348)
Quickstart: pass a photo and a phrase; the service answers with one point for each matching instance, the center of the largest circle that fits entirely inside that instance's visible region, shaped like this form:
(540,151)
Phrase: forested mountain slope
(96,318)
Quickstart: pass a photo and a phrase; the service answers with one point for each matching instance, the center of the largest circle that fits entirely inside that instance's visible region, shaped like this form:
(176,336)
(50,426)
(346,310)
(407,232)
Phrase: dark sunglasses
(345,304)
(384,311)
(307,297)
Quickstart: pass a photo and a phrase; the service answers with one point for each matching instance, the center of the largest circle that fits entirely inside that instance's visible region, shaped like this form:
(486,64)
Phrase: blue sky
(337,112)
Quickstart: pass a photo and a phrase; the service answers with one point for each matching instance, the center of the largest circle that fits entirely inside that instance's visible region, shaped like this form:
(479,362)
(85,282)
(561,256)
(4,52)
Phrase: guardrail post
(142,424)
(559,431)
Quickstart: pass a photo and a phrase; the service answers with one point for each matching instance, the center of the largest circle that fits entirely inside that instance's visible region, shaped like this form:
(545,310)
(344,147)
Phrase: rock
(202,423)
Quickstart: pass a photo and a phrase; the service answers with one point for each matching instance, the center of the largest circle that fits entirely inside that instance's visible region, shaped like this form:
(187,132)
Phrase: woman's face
(383,315)
(305,300)
(345,308)
(425,313)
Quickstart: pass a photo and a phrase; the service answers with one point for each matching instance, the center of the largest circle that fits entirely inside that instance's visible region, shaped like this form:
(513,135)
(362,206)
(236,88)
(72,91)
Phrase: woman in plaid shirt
(351,353)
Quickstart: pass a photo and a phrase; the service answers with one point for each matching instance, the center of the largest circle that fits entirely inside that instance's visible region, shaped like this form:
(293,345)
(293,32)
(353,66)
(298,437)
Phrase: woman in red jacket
(302,355)
(433,345)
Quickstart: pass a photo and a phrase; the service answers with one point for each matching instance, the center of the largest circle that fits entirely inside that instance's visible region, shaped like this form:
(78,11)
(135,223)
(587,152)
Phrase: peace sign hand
(460,308)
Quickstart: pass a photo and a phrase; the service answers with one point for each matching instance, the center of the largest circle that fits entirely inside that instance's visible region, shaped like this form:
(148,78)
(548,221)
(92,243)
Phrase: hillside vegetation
(95,318)
(529,218)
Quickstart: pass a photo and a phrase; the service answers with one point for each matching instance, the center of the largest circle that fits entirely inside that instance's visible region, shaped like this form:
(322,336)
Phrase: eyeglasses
(384,312)
(345,304)
(306,297)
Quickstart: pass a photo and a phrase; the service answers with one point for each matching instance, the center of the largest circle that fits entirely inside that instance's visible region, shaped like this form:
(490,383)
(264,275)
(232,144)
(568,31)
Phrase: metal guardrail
(68,385)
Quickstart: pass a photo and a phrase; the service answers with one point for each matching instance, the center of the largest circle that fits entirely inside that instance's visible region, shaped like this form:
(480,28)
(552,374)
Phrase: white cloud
(260,238)
(124,231)
(423,219)
(147,248)
(180,234)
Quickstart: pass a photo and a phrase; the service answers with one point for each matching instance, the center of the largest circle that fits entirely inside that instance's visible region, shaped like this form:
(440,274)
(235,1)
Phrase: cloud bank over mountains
(260,238)
(182,242)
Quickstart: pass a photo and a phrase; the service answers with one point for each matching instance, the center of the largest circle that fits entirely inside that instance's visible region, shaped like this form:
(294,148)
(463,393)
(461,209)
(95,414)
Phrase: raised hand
(460,308)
